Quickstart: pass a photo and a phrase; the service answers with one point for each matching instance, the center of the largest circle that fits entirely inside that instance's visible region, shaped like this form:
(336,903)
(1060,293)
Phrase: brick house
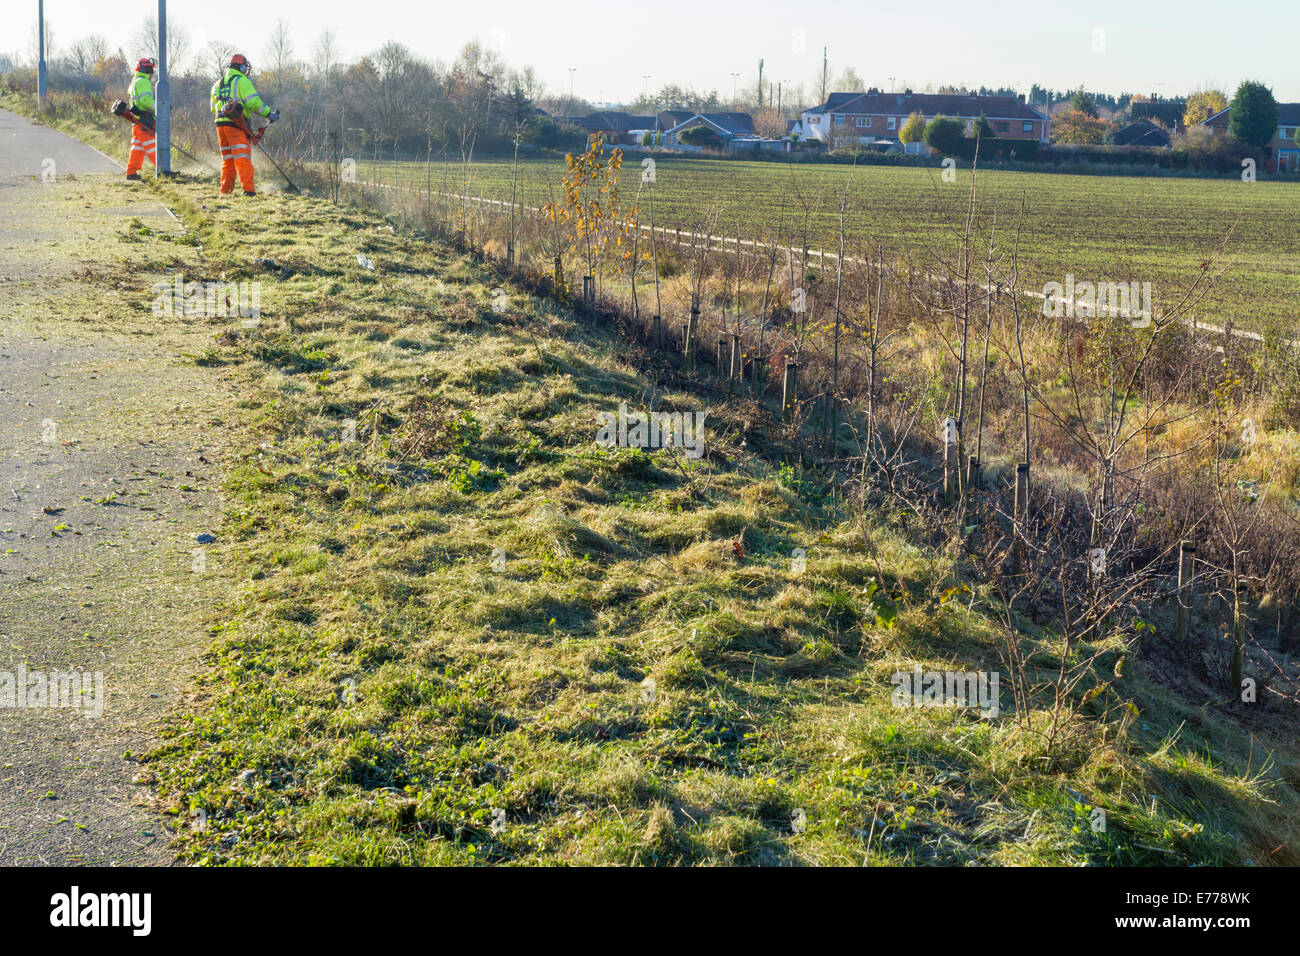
(1281,154)
(873,116)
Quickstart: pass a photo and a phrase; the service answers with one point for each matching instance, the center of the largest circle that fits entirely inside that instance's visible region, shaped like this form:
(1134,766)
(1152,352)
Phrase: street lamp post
(163,100)
(41,76)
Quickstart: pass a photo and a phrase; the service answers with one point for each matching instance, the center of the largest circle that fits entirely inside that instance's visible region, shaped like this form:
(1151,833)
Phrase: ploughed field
(1096,228)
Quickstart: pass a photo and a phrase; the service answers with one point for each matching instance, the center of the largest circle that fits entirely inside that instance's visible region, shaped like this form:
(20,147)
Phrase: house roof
(1288,114)
(734,123)
(929,104)
(1169,112)
(603,120)
(1141,133)
(670,118)
(834,101)
(729,124)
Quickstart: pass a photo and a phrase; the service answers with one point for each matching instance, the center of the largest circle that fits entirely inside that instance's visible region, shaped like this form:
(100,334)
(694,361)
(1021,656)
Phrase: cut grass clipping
(466,633)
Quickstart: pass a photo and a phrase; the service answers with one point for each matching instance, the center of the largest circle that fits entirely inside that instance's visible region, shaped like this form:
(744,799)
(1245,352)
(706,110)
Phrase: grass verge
(453,604)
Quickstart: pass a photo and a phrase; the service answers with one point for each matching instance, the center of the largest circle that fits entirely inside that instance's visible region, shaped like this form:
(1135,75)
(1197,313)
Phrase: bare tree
(325,56)
(145,42)
(279,50)
(84,55)
(217,54)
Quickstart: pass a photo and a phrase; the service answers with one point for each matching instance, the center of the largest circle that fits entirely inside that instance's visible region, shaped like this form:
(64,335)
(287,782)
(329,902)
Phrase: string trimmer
(146,120)
(235,113)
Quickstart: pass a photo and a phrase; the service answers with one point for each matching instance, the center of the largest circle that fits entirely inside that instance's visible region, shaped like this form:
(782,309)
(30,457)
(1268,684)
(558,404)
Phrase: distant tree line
(388,99)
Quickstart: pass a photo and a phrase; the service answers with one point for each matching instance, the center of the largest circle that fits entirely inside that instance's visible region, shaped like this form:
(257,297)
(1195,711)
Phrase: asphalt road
(27,149)
(109,466)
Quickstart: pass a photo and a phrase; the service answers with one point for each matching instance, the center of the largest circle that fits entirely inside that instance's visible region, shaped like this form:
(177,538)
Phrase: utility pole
(779,84)
(734,78)
(759,101)
(825,67)
(41,76)
(163,100)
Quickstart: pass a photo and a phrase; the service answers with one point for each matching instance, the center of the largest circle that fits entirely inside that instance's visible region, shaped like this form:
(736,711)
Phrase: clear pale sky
(1169,46)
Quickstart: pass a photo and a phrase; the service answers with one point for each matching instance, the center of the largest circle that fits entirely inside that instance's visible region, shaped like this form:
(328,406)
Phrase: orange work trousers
(142,146)
(236,155)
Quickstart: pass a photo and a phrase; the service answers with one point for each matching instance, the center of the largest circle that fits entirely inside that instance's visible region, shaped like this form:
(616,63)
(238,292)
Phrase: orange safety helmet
(240,63)
(145,64)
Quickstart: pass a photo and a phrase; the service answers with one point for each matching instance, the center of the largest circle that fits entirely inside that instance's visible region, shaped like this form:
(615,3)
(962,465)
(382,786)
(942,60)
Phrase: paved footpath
(111,454)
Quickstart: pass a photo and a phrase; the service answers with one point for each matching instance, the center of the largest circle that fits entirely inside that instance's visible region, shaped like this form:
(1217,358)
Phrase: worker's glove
(273,116)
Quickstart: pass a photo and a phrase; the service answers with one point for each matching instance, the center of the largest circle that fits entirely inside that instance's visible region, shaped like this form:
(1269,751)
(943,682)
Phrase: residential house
(640,126)
(729,127)
(1168,112)
(873,116)
(615,126)
(1282,154)
(1142,133)
(670,118)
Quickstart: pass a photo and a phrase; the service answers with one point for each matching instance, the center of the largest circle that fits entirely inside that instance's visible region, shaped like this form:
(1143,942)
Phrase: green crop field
(1098,228)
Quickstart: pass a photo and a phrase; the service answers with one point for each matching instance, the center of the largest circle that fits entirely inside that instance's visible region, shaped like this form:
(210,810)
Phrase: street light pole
(41,76)
(163,100)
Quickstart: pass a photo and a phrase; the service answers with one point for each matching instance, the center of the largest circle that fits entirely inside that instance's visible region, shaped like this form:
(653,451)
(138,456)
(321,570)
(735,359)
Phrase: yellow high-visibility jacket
(140,93)
(235,87)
